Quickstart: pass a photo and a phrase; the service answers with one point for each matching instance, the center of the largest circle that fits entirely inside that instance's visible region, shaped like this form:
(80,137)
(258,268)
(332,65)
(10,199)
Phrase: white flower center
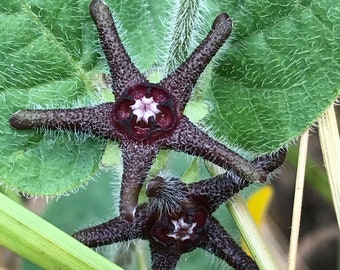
(182,229)
(144,108)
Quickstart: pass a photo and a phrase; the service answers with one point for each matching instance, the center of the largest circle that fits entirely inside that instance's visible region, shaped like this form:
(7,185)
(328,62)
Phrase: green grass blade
(330,145)
(250,233)
(42,243)
(300,179)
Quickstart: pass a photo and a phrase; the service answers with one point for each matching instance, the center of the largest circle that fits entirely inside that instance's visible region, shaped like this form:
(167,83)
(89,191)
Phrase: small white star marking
(144,108)
(182,229)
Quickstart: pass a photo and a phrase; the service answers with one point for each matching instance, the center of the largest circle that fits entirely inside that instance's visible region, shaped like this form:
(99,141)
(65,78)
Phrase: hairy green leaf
(278,73)
(50,58)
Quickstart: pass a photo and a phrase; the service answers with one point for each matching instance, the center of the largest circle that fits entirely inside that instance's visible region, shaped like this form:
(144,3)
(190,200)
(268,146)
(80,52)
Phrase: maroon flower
(145,117)
(178,219)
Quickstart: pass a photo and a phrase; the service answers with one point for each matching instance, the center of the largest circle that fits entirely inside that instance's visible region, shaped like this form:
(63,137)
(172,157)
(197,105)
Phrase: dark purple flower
(178,219)
(145,117)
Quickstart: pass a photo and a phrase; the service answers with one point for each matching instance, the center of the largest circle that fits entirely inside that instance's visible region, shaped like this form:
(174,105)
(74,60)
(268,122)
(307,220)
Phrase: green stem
(250,233)
(182,35)
(330,145)
(35,239)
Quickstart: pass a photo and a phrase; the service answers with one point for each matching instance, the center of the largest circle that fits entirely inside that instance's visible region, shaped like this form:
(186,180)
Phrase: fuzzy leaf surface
(278,73)
(50,58)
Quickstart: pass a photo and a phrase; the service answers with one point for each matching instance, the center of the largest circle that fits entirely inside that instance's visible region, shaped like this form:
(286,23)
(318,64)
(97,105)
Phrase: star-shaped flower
(146,117)
(178,219)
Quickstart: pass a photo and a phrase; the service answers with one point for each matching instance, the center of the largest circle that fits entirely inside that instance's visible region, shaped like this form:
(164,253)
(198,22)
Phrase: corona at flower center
(145,112)
(182,229)
(144,108)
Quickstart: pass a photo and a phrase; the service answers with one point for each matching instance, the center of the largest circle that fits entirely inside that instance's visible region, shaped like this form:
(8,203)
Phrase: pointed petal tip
(95,3)
(19,120)
(96,6)
(223,20)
